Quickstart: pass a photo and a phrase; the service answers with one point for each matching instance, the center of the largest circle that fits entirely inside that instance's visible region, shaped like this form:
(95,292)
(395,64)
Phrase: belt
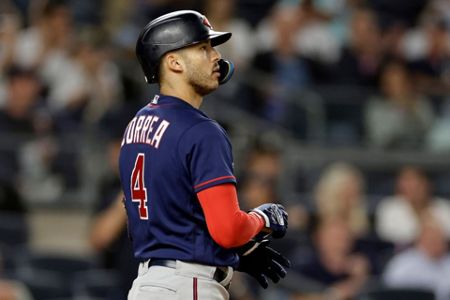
(219,275)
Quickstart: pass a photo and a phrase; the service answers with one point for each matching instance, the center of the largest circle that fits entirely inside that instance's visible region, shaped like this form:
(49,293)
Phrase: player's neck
(183,93)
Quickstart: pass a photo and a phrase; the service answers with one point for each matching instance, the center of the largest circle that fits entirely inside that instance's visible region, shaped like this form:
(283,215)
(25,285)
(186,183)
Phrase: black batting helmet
(170,32)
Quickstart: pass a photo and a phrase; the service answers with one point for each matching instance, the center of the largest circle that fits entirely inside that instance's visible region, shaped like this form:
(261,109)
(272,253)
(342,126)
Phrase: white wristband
(266,218)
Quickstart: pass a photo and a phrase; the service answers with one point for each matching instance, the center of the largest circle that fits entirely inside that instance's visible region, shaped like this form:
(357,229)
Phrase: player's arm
(228,225)
(108,224)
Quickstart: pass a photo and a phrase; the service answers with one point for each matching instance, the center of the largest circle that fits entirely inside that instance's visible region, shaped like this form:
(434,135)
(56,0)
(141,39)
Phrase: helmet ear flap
(226,70)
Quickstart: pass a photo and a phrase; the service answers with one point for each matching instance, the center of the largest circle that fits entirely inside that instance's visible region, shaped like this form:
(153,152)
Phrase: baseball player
(176,170)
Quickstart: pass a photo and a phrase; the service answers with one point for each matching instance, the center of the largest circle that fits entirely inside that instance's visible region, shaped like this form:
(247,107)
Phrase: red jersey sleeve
(228,225)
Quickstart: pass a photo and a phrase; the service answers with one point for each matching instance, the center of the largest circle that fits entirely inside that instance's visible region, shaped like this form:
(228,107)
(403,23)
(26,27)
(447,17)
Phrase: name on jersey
(146,129)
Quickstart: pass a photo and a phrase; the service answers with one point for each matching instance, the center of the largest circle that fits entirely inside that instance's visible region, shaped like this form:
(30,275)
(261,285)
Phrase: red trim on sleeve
(212,180)
(195,289)
(227,224)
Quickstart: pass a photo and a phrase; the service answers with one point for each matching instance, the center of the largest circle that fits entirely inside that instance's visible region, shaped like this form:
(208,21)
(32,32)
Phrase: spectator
(338,15)
(91,83)
(397,216)
(393,40)
(438,138)
(310,34)
(399,118)
(431,67)
(281,74)
(17,129)
(259,185)
(260,177)
(99,85)
(108,234)
(315,39)
(44,45)
(419,40)
(14,290)
(340,194)
(425,265)
(442,8)
(240,49)
(79,98)
(27,154)
(17,116)
(9,27)
(11,289)
(334,270)
(75,69)
(361,59)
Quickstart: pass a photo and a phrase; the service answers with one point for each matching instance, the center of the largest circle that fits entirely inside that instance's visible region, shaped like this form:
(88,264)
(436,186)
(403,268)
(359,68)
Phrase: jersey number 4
(138,190)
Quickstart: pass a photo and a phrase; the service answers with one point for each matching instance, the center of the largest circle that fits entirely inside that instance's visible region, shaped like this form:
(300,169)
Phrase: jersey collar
(160,99)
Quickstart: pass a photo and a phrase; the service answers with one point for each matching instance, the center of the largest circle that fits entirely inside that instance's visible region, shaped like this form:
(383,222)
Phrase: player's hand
(275,218)
(262,262)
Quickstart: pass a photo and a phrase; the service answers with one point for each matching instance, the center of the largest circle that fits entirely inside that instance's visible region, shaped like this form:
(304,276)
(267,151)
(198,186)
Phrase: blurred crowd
(364,74)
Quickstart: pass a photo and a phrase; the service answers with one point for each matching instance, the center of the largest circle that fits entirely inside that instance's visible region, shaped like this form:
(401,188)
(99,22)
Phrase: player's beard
(202,82)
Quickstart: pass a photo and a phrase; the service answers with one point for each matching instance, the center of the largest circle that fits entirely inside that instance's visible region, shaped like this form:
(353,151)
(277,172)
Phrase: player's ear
(174,62)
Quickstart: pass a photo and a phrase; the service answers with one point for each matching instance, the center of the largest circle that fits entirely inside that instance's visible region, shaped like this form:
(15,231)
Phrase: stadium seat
(13,229)
(63,268)
(95,284)
(43,284)
(64,265)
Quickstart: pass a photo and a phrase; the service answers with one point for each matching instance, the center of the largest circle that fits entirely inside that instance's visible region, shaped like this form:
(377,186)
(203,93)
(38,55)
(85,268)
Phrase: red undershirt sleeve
(228,225)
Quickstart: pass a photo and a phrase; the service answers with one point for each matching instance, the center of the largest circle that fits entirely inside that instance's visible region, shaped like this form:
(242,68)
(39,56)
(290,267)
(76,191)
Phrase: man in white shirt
(426,265)
(397,216)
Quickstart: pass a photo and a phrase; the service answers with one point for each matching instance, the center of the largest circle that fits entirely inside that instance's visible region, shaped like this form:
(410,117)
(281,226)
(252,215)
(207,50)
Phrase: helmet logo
(206,23)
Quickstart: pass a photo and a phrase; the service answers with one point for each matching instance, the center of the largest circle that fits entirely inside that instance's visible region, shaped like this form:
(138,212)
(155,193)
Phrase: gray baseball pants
(179,281)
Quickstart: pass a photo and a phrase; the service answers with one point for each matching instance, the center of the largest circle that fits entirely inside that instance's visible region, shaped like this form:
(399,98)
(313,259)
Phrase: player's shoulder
(206,127)
(206,132)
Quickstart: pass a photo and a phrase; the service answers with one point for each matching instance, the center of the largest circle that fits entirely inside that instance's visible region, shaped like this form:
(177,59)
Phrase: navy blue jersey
(171,151)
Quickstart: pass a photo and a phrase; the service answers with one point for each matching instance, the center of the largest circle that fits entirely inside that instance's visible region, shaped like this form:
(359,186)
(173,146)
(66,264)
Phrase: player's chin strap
(226,70)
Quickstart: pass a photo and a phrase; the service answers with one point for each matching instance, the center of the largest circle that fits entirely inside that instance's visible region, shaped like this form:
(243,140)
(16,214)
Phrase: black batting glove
(275,218)
(262,262)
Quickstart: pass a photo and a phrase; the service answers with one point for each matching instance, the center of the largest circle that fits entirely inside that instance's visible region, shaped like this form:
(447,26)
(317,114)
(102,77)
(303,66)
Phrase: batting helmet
(174,31)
